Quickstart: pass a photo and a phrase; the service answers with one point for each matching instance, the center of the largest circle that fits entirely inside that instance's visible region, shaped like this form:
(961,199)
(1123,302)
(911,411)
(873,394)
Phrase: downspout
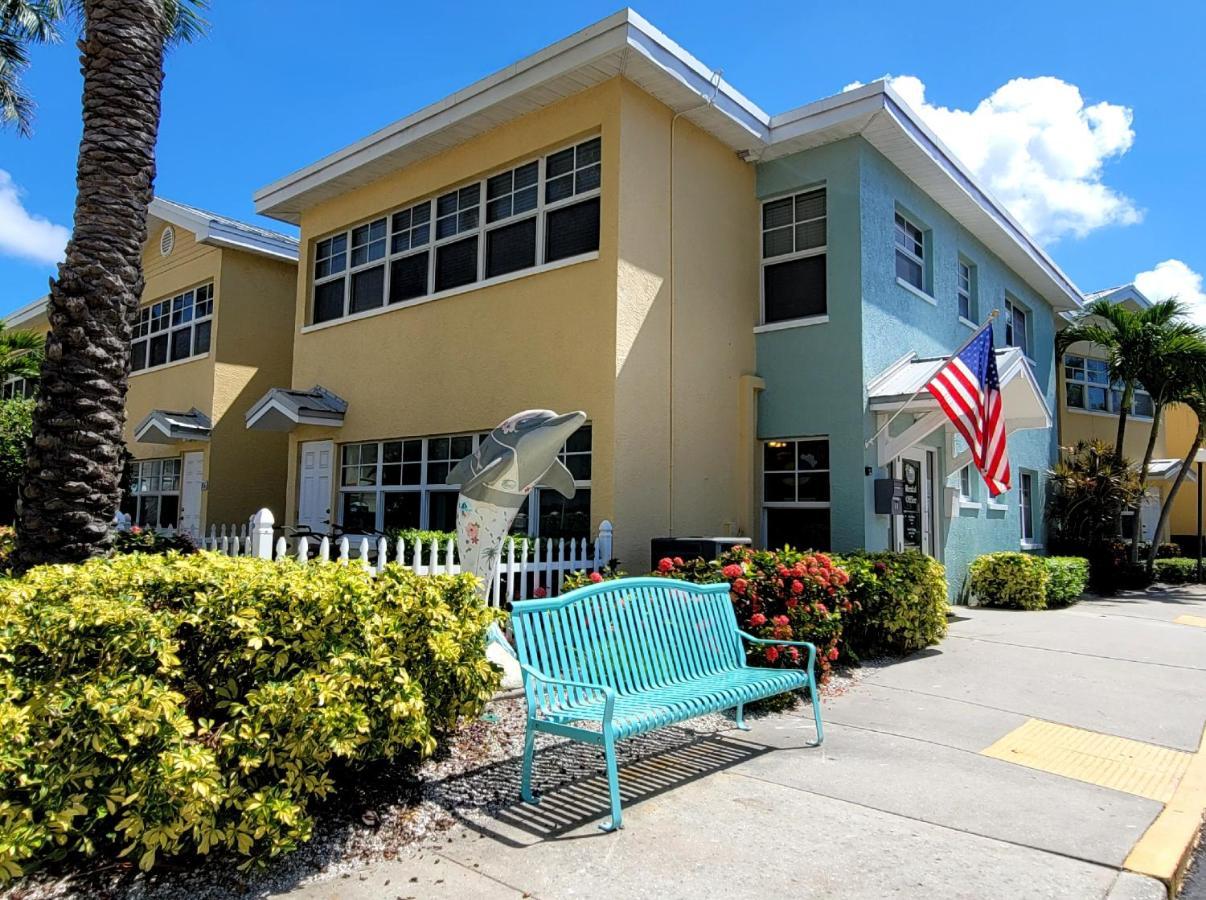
(670,279)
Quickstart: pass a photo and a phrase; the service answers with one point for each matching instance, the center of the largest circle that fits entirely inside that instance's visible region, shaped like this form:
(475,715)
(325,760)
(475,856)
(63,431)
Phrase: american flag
(969,392)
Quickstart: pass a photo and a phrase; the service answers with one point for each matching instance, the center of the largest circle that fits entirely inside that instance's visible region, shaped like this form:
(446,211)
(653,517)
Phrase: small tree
(16,423)
(20,353)
(1088,493)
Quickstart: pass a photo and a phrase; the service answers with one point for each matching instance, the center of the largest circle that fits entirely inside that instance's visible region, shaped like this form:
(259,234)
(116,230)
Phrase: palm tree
(1129,338)
(1171,374)
(20,353)
(71,491)
(1195,399)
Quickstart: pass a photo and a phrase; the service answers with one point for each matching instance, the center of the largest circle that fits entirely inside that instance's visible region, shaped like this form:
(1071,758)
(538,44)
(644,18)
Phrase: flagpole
(987,322)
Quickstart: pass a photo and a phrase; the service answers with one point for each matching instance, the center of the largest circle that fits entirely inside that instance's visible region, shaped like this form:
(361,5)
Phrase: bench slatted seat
(637,654)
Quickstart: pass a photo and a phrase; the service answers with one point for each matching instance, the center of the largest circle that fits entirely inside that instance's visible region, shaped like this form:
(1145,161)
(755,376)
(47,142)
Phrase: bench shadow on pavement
(571,786)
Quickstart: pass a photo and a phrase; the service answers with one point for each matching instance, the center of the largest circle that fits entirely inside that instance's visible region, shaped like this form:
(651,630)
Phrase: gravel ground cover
(392,811)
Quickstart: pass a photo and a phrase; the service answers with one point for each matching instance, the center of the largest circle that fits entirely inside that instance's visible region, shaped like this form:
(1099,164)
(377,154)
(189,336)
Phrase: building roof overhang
(221,231)
(161,426)
(283,409)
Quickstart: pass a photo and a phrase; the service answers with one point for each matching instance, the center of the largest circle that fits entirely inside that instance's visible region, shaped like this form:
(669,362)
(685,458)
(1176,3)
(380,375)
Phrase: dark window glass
(456,264)
(201,340)
(328,301)
(804,529)
(138,356)
(560,517)
(572,230)
(159,350)
(511,248)
(402,509)
(408,278)
(359,512)
(368,289)
(441,510)
(795,289)
(182,343)
(169,510)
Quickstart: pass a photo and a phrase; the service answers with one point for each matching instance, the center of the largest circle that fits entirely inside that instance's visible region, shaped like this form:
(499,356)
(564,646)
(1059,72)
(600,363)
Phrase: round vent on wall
(167,240)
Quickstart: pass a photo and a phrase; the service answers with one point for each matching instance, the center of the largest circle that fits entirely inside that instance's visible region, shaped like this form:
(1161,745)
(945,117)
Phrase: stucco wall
(1180,427)
(678,377)
(467,361)
(1082,425)
(897,321)
(813,373)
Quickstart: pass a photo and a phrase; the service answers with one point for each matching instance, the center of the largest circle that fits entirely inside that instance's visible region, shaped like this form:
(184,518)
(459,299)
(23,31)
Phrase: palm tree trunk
(1157,414)
(1166,510)
(70,491)
(1128,396)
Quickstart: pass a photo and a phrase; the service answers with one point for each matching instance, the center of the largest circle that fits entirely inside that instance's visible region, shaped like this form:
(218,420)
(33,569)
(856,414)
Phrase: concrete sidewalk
(902,799)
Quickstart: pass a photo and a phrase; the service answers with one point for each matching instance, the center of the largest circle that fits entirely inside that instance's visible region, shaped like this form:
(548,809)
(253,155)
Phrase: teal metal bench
(636,654)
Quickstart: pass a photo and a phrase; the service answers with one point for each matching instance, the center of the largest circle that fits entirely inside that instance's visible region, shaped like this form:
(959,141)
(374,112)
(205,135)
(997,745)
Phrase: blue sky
(1083,117)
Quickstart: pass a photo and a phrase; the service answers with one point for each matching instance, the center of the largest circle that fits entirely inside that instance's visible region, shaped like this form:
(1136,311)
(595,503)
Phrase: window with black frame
(794,245)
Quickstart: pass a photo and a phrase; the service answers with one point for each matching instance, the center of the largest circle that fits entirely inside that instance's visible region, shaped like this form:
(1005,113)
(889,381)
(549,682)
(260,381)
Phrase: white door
(1149,515)
(314,486)
(915,528)
(192,481)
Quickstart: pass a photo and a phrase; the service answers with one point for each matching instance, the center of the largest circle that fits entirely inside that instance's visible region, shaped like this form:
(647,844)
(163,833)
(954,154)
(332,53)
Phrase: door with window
(314,485)
(914,528)
(191,484)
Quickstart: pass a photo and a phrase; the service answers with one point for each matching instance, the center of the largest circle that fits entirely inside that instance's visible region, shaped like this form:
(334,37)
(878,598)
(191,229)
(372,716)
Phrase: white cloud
(1039,149)
(24,234)
(1172,278)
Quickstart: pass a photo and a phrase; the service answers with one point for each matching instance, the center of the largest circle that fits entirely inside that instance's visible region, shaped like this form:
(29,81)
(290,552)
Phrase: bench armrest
(609,693)
(812,648)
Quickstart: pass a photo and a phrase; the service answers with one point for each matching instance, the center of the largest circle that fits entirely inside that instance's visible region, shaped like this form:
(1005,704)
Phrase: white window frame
(1112,389)
(966,291)
(1026,486)
(425,488)
(135,478)
(909,253)
(1012,308)
(791,256)
(797,503)
(540,213)
(142,332)
(15,387)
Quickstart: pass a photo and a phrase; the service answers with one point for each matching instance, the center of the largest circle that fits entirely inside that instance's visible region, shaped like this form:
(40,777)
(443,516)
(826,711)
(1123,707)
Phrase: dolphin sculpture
(497,479)
(494,483)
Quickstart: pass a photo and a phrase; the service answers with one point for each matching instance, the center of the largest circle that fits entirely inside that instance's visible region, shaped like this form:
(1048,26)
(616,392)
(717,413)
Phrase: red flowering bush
(784,595)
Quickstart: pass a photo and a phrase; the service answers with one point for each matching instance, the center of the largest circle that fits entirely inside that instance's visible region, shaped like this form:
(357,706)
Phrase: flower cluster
(783,595)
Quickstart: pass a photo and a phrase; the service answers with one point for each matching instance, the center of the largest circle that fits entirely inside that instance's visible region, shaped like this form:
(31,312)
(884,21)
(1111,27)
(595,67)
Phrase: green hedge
(1023,581)
(1180,570)
(901,603)
(158,705)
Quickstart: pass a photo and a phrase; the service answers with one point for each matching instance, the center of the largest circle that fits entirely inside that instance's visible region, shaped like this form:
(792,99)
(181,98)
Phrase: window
(152,497)
(399,484)
(795,493)
(170,330)
(794,241)
(1087,386)
(910,253)
(17,387)
(1026,505)
(540,212)
(1017,327)
(966,484)
(965,290)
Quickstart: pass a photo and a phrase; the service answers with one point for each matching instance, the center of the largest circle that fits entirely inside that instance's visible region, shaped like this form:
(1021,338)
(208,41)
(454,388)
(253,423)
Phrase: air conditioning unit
(692,547)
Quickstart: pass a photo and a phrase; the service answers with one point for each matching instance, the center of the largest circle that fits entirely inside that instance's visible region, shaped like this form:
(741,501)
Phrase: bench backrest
(631,634)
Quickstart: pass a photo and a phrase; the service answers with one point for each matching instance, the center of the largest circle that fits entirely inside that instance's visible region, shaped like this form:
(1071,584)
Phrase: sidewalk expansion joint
(1123,659)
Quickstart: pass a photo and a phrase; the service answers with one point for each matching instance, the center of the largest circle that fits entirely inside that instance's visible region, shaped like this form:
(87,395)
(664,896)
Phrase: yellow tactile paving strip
(1163,851)
(1197,621)
(1133,767)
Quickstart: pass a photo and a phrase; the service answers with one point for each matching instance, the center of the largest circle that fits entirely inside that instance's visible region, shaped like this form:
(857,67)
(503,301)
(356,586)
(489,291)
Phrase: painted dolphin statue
(494,483)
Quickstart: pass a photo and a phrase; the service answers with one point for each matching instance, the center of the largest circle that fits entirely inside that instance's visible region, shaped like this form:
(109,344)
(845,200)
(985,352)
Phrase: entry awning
(1167,469)
(164,427)
(283,409)
(1022,399)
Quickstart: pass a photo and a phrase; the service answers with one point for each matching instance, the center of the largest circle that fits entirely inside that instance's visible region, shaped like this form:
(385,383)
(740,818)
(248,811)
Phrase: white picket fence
(529,567)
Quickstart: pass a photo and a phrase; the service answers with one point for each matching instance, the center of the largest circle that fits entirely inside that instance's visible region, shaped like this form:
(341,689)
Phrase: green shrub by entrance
(901,603)
(157,705)
(1023,581)
(1180,570)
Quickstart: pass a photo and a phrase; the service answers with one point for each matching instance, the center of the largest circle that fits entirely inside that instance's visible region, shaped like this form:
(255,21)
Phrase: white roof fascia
(208,230)
(26,312)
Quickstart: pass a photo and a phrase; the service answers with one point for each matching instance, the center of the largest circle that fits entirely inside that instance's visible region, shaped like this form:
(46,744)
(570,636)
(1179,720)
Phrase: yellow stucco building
(209,340)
